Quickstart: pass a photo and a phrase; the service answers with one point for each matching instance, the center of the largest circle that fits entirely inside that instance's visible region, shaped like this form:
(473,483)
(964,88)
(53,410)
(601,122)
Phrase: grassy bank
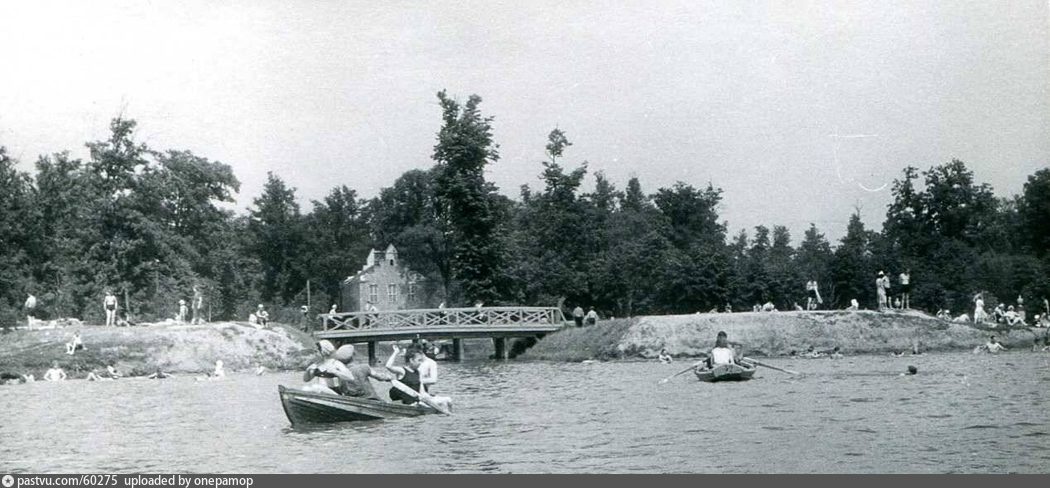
(144,349)
(771,334)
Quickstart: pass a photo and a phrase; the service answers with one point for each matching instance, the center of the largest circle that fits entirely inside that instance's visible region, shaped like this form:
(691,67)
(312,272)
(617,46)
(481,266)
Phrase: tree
(339,228)
(466,202)
(275,224)
(1035,212)
(15,239)
(852,275)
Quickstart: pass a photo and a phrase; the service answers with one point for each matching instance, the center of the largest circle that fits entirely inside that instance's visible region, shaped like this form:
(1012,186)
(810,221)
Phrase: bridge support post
(457,349)
(372,360)
(501,348)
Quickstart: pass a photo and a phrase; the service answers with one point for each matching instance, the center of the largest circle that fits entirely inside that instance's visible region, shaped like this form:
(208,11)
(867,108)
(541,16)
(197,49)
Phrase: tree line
(149,224)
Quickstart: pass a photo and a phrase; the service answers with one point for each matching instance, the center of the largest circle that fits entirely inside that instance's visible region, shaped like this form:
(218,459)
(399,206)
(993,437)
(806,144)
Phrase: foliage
(150,225)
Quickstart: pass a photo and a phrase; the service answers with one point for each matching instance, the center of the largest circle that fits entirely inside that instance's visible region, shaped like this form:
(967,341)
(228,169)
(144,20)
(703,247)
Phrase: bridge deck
(496,322)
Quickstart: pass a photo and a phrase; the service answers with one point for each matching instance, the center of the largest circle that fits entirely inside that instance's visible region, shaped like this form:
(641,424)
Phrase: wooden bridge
(499,323)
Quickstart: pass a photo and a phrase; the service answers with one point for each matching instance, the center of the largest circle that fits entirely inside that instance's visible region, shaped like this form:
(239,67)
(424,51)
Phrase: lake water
(961,413)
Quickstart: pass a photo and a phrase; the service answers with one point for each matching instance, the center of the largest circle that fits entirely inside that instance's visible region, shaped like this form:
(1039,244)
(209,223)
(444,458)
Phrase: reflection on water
(961,413)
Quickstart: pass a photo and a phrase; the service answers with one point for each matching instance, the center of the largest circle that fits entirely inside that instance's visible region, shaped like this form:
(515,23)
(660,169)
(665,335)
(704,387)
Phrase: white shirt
(721,355)
(428,372)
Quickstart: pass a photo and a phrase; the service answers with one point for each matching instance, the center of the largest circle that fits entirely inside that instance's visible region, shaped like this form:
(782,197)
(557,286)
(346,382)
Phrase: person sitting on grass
(159,375)
(665,357)
(835,354)
(1012,317)
(74,344)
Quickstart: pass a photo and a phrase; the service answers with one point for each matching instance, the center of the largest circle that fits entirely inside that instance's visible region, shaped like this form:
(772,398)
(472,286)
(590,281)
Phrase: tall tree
(466,201)
(275,225)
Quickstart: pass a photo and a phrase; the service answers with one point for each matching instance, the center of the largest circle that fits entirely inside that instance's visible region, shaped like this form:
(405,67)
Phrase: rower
(408,374)
(345,378)
(721,354)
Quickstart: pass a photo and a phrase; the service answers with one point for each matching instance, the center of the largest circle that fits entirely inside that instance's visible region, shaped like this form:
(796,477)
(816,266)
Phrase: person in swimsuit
(110,304)
(55,373)
(344,378)
(407,374)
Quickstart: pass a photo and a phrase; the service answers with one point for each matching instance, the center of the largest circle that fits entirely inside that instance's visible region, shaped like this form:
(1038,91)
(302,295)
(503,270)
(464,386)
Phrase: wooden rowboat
(304,407)
(726,372)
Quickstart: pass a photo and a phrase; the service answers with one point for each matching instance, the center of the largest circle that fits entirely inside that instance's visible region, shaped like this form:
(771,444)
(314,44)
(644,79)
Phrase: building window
(391,292)
(412,292)
(373,293)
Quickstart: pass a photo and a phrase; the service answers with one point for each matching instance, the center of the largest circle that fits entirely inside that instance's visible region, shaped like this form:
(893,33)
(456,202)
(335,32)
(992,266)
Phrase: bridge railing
(442,317)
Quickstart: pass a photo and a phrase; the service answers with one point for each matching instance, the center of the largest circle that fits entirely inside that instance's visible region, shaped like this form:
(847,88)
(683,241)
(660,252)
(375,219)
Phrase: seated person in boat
(343,378)
(407,374)
(721,353)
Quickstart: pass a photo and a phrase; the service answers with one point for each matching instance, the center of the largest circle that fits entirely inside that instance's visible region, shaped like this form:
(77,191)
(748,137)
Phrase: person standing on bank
(197,305)
(905,279)
(110,304)
(181,317)
(882,286)
(592,317)
(30,310)
(577,316)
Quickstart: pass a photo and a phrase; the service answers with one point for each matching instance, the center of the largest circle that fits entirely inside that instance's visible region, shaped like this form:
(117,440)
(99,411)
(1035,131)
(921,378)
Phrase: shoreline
(774,334)
(144,349)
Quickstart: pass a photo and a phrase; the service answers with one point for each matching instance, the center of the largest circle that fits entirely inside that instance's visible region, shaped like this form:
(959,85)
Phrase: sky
(800,111)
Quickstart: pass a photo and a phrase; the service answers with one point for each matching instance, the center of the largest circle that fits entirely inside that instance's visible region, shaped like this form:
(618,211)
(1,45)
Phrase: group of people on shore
(1004,314)
(882,291)
(591,318)
(111,308)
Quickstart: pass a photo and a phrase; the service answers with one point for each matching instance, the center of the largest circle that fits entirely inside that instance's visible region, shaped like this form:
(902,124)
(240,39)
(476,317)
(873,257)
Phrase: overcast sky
(798,110)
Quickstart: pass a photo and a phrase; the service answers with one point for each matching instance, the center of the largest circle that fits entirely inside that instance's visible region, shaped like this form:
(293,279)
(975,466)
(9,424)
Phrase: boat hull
(726,372)
(304,407)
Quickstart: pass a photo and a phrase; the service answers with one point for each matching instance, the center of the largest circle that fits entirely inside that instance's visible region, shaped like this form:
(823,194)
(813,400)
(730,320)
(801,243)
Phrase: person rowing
(722,353)
(408,374)
(342,378)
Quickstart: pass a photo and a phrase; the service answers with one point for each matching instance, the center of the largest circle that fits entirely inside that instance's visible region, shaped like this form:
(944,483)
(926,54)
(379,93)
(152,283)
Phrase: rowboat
(304,407)
(726,372)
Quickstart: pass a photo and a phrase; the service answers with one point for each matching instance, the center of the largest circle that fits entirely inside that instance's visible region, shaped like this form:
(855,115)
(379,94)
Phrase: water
(961,413)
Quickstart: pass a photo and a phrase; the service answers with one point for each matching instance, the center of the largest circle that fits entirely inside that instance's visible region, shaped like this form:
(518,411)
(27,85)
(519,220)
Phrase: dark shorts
(906,288)
(111,307)
(813,294)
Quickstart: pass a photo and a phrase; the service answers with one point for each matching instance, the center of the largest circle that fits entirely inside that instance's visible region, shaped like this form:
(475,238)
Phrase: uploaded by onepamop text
(128,480)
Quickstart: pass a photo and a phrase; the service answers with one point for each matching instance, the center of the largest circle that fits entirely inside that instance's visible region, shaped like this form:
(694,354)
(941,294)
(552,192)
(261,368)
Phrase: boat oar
(426,398)
(684,371)
(788,371)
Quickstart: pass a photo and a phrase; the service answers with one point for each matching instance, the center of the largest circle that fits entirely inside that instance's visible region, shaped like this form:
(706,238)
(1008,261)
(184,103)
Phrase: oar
(423,397)
(684,371)
(788,371)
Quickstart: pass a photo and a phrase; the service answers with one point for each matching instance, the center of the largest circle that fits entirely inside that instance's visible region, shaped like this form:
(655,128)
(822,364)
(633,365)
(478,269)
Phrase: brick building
(384,282)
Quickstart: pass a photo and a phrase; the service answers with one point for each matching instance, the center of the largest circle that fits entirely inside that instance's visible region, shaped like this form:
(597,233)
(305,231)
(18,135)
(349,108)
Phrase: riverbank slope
(145,349)
(771,334)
